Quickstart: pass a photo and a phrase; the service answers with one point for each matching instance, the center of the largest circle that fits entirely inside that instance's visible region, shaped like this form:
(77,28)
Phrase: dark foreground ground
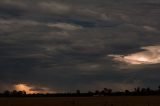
(82,101)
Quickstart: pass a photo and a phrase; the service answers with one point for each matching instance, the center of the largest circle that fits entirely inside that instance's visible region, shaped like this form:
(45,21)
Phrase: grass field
(82,101)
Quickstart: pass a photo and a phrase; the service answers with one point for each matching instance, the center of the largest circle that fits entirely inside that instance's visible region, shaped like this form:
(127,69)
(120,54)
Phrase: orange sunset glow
(24,87)
(30,89)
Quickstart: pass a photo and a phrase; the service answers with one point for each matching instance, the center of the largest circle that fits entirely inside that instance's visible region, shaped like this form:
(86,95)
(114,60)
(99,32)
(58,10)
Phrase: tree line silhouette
(105,92)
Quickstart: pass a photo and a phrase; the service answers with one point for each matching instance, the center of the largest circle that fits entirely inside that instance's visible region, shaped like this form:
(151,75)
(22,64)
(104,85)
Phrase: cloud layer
(65,45)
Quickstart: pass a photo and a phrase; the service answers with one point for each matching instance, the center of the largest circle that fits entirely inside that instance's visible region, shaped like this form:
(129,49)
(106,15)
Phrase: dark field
(82,101)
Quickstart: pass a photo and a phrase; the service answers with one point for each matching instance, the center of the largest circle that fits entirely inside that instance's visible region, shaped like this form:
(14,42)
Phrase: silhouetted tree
(90,93)
(158,90)
(78,92)
(21,93)
(14,93)
(97,92)
(18,93)
(127,92)
(148,91)
(109,91)
(105,92)
(137,90)
(143,91)
(7,93)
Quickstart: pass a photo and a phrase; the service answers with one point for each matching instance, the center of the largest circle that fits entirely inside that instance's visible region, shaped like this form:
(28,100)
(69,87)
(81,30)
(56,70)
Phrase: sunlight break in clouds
(150,55)
(30,89)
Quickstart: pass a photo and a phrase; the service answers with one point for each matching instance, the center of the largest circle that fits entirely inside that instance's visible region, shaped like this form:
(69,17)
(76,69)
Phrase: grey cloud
(54,7)
(65,43)
(12,10)
(65,26)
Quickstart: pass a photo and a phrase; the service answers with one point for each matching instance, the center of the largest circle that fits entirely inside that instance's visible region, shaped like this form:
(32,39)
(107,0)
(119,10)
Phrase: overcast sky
(64,45)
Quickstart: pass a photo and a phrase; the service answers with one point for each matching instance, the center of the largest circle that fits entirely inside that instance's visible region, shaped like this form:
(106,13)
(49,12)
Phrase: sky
(65,45)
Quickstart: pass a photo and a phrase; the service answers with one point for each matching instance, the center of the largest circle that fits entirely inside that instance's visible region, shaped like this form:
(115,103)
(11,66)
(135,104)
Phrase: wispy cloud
(54,7)
(65,26)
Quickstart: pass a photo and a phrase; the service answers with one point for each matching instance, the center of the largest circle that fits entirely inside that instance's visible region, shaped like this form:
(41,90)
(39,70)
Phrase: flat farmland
(82,101)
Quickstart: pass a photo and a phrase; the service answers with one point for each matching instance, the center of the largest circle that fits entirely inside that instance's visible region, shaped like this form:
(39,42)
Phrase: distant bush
(105,92)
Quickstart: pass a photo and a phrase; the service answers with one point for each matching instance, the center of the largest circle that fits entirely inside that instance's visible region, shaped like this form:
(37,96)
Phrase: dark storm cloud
(11,10)
(65,45)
